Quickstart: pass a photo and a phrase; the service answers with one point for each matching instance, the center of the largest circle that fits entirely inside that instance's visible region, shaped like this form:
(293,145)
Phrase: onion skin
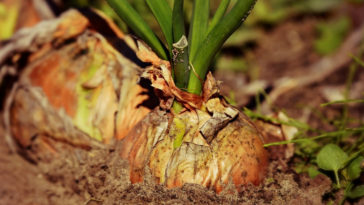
(235,153)
(75,87)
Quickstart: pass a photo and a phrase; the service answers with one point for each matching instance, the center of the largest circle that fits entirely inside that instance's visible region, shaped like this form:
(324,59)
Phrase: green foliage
(181,56)
(198,27)
(219,14)
(332,158)
(243,36)
(163,14)
(308,148)
(344,161)
(276,11)
(343,102)
(270,11)
(214,41)
(313,171)
(316,6)
(204,40)
(356,192)
(331,35)
(354,169)
(233,64)
(138,25)
(339,151)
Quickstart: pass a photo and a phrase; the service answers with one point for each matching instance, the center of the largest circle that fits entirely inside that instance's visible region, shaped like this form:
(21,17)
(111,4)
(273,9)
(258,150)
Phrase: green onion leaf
(163,14)
(198,27)
(180,62)
(131,17)
(220,11)
(214,41)
(180,47)
(178,26)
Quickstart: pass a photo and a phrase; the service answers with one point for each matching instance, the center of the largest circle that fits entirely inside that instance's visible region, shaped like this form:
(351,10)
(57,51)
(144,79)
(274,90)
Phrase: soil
(90,179)
(101,177)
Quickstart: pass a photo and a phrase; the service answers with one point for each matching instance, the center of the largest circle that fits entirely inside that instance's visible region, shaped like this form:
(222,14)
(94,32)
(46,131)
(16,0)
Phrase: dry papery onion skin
(76,88)
(175,150)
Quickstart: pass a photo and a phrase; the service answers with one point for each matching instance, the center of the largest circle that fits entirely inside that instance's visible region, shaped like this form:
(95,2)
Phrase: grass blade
(343,102)
(198,27)
(357,60)
(218,14)
(128,14)
(163,13)
(324,135)
(214,41)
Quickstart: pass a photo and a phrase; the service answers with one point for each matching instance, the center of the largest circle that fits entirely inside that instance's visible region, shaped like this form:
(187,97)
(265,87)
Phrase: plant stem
(138,25)
(180,65)
(337,178)
(178,26)
(215,40)
(180,60)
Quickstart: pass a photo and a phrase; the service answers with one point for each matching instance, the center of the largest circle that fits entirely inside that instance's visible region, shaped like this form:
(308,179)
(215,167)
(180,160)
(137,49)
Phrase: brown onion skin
(235,154)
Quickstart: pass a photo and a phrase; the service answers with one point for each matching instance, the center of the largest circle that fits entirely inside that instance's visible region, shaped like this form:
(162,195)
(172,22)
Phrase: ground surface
(95,180)
(103,178)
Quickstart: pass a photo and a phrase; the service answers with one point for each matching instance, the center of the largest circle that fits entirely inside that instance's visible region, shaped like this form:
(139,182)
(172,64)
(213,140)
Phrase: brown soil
(90,179)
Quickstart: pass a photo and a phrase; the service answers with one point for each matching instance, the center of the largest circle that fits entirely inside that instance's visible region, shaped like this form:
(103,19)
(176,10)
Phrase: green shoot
(180,47)
(138,25)
(220,12)
(198,28)
(178,20)
(214,41)
(343,102)
(163,14)
(190,57)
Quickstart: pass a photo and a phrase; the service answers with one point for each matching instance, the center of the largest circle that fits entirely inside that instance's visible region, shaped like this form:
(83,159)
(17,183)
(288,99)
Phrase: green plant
(331,35)
(322,152)
(190,53)
(328,152)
